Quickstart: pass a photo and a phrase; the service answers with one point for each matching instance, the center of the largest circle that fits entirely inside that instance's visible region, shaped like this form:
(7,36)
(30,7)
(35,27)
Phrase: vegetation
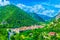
(13,17)
(3,34)
(41,34)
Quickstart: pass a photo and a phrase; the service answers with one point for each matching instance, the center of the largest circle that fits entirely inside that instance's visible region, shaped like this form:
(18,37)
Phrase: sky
(32,2)
(28,2)
(44,7)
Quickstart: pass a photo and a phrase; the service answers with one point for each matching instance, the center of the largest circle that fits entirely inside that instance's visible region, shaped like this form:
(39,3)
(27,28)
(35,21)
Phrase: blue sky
(28,2)
(33,2)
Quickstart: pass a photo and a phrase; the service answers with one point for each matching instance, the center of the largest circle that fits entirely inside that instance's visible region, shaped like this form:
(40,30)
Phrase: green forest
(14,17)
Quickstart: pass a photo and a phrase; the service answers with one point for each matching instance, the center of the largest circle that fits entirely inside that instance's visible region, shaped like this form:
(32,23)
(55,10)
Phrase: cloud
(33,9)
(57,6)
(37,8)
(48,12)
(52,5)
(3,3)
(24,7)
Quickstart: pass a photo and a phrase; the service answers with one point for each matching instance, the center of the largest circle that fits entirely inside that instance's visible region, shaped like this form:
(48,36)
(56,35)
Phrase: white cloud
(4,3)
(48,12)
(34,8)
(1,3)
(52,5)
(20,5)
(57,6)
(24,7)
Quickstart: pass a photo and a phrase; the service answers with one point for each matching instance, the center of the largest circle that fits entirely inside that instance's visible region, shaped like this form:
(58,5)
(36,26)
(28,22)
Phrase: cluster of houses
(17,30)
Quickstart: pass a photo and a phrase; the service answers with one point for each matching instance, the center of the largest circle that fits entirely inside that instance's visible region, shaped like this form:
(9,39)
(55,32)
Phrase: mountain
(44,17)
(37,17)
(41,17)
(13,17)
(40,9)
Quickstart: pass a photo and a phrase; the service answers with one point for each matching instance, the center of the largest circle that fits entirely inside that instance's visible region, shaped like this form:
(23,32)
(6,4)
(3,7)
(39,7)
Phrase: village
(17,30)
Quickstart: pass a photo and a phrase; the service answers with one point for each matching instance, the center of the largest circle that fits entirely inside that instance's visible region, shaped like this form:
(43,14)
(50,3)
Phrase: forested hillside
(12,16)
